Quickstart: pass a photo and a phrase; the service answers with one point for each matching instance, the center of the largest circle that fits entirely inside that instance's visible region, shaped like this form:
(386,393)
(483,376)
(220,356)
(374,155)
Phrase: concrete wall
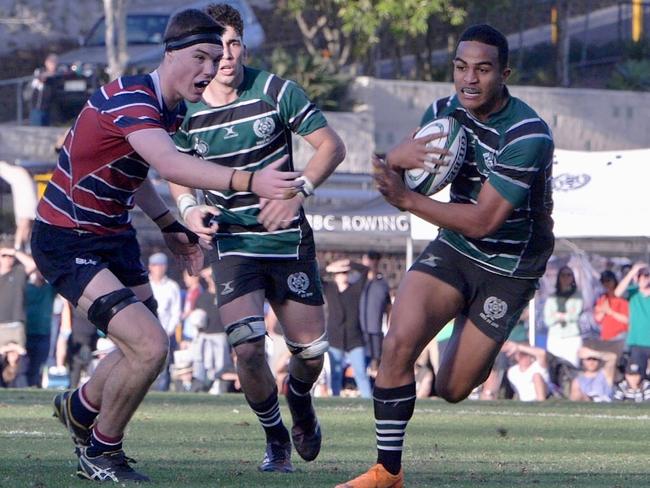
(580,119)
(594,120)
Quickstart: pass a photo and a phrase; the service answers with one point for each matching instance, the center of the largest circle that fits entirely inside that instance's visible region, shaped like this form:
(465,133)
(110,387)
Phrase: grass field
(188,440)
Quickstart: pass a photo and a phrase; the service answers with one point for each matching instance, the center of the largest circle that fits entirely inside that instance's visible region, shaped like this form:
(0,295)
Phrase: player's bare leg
(121,382)
(258,383)
(424,305)
(304,329)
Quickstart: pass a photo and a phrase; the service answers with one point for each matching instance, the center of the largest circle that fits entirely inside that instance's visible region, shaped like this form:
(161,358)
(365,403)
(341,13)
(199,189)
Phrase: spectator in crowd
(638,338)
(15,267)
(168,296)
(42,91)
(23,195)
(374,308)
(529,376)
(210,348)
(561,314)
(634,387)
(594,383)
(612,314)
(81,343)
(39,298)
(12,357)
(342,296)
(191,294)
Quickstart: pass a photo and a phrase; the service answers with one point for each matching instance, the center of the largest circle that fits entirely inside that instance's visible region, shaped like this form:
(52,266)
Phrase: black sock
(268,413)
(393,409)
(298,395)
(81,410)
(99,444)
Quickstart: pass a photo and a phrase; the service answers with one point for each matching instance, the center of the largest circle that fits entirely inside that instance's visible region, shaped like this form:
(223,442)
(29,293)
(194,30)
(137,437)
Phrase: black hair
(487,34)
(572,288)
(190,22)
(373,255)
(226,15)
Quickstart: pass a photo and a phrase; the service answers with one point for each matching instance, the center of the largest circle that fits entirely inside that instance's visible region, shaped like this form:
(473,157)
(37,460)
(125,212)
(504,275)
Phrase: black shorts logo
(299,283)
(494,309)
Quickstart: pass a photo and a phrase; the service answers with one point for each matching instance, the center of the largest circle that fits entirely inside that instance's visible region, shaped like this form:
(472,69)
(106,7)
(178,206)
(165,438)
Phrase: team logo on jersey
(489,159)
(299,284)
(227,288)
(430,260)
(201,147)
(230,132)
(567,182)
(494,309)
(82,261)
(264,127)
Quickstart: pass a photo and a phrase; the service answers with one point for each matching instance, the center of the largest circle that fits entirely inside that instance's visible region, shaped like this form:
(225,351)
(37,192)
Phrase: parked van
(145,27)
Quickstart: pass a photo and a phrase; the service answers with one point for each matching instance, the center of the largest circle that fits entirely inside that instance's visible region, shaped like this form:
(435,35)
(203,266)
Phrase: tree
(116,54)
(346,28)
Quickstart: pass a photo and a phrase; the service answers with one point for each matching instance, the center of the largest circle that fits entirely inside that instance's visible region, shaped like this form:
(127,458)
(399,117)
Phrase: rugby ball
(430,182)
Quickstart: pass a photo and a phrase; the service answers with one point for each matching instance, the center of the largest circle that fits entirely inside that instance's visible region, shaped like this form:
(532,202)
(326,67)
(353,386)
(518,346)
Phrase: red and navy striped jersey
(98,173)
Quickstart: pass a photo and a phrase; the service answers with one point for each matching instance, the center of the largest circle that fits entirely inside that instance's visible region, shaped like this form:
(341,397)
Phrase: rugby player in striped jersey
(85,246)
(482,269)
(263,249)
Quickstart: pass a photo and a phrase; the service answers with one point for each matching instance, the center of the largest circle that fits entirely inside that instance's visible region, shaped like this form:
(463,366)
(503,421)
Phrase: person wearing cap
(262,248)
(594,383)
(342,296)
(168,298)
(636,284)
(85,245)
(633,388)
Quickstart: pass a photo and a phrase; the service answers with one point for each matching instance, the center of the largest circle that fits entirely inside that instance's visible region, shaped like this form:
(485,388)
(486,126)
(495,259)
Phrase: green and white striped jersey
(513,150)
(249,134)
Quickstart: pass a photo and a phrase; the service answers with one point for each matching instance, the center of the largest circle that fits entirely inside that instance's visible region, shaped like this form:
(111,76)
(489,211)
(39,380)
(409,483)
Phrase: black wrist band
(232,175)
(176,226)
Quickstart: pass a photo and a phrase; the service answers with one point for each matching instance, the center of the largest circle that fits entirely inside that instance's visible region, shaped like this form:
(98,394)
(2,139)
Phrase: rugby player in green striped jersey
(262,250)
(494,241)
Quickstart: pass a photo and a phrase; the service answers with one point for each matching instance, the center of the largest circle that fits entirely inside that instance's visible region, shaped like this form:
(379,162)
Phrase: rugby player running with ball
(495,239)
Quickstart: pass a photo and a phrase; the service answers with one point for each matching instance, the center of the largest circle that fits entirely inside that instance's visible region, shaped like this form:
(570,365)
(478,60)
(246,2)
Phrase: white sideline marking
(498,413)
(537,414)
(24,433)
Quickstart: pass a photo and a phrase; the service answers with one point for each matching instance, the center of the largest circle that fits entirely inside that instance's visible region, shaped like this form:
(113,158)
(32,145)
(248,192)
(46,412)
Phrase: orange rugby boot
(376,477)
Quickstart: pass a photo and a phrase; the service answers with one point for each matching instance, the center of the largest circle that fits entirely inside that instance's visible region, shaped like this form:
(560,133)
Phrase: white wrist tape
(307,186)
(184,202)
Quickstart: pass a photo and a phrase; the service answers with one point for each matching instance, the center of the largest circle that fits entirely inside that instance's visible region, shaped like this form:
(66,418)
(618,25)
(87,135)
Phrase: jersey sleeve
(297,112)
(182,139)
(129,112)
(517,165)
(429,115)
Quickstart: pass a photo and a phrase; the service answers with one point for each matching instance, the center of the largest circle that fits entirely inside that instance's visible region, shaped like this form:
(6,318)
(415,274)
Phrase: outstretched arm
(157,149)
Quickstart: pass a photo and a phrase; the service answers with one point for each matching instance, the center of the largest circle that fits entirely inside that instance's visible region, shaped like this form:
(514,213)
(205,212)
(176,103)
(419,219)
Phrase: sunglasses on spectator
(644,273)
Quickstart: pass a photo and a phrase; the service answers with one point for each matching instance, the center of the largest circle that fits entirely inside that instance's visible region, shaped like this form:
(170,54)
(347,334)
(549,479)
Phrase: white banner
(595,194)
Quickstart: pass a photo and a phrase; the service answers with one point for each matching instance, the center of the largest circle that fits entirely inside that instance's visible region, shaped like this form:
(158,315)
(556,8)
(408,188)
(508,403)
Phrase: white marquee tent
(596,194)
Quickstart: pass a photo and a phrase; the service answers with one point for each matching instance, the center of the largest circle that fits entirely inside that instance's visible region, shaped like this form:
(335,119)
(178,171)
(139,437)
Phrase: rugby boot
(306,432)
(376,477)
(80,433)
(109,466)
(277,458)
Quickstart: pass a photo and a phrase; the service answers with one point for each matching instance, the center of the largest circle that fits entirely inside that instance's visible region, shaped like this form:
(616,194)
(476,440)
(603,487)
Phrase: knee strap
(249,329)
(107,306)
(311,350)
(152,305)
